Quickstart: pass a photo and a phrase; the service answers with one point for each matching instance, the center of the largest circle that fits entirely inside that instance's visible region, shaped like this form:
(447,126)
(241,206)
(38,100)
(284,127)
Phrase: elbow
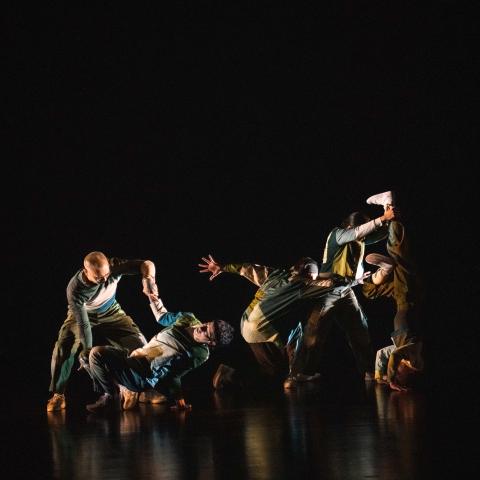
(148,268)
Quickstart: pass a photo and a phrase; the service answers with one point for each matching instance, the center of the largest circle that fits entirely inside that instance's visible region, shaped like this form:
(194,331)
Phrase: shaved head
(95,260)
(96,267)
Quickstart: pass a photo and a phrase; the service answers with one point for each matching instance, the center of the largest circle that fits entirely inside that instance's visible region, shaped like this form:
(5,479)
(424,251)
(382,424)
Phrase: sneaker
(385,198)
(382,261)
(128,399)
(153,397)
(105,403)
(385,267)
(57,402)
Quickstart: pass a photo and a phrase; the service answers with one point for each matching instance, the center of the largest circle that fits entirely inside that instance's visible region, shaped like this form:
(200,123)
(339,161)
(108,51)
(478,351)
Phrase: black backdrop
(172,132)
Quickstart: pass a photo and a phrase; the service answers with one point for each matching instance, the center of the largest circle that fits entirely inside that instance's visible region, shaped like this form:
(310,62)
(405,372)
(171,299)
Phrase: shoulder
(76,282)
(186,319)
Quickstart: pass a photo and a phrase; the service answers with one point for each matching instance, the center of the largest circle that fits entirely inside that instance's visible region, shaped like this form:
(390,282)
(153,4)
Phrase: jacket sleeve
(121,266)
(367,231)
(76,303)
(256,274)
(381,361)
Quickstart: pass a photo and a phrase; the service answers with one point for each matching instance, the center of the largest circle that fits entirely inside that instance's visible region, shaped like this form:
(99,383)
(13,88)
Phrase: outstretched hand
(210,266)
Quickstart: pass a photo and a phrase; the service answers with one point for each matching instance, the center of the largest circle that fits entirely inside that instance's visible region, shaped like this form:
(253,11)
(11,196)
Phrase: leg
(407,289)
(353,321)
(310,347)
(111,367)
(64,353)
(121,332)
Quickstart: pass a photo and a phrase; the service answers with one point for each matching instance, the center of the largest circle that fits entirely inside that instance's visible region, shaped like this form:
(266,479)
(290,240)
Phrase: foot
(106,403)
(128,398)
(382,261)
(384,199)
(57,402)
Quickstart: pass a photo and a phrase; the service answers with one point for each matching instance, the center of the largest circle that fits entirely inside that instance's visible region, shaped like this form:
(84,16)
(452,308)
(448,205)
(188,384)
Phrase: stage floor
(316,431)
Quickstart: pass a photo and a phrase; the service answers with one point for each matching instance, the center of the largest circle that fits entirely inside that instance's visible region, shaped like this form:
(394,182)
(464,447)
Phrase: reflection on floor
(309,432)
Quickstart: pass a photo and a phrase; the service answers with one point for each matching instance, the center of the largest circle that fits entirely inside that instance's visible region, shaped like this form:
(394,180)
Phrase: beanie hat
(223,332)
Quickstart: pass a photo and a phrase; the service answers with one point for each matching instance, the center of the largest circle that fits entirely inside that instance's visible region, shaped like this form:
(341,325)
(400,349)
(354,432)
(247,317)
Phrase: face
(205,333)
(404,373)
(98,274)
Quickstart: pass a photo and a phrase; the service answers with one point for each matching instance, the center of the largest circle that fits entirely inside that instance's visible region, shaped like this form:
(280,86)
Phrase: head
(96,267)
(406,376)
(306,267)
(355,219)
(214,333)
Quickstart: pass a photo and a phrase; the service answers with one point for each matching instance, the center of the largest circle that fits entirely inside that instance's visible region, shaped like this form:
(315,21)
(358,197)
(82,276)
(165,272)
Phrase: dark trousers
(111,366)
(340,306)
(117,328)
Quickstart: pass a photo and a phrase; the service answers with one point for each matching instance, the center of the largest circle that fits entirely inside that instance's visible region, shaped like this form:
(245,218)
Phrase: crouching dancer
(176,350)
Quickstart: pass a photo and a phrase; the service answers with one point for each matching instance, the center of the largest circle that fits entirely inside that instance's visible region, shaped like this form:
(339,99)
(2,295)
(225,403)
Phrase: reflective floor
(315,431)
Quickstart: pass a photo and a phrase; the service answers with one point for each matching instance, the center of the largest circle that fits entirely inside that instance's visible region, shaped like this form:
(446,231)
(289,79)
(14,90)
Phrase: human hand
(389,213)
(150,288)
(210,266)
(83,359)
(365,275)
(397,388)
(180,405)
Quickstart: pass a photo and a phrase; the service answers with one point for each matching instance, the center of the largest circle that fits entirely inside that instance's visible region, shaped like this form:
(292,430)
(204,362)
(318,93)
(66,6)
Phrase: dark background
(248,132)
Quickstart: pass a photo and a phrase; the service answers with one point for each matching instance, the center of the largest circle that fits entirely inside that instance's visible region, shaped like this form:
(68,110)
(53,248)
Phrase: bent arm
(347,235)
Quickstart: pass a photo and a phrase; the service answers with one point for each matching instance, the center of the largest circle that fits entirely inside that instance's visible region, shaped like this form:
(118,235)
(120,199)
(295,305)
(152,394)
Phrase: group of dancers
(286,324)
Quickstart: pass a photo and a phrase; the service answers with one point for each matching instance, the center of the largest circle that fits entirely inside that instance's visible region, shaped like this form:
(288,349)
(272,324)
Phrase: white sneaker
(384,199)
(128,398)
(153,397)
(57,402)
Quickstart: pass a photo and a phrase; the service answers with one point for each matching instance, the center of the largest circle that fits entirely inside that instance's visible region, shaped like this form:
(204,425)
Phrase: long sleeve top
(85,298)
(345,248)
(267,318)
(172,352)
